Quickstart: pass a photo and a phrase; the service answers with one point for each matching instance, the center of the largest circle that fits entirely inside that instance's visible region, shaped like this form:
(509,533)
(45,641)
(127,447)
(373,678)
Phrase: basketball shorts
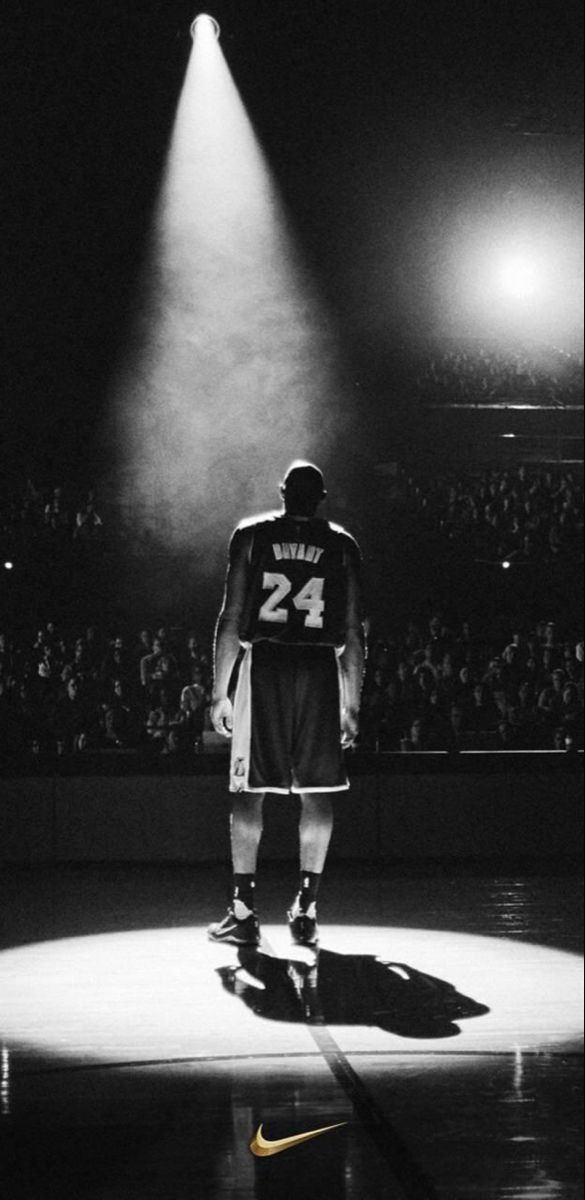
(287,721)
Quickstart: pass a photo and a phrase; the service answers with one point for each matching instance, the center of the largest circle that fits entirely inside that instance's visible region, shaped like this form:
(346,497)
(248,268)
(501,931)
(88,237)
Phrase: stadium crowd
(521,515)
(428,687)
(68,686)
(483,372)
(69,692)
(436,688)
(37,515)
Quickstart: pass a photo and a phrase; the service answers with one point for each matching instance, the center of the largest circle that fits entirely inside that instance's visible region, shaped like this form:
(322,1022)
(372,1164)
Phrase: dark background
(377,119)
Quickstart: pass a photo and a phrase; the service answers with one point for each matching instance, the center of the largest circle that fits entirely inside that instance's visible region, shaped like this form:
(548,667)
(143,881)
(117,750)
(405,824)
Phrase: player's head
(302,489)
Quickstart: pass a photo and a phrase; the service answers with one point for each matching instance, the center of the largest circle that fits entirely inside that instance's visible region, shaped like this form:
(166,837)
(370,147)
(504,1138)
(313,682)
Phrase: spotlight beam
(227,321)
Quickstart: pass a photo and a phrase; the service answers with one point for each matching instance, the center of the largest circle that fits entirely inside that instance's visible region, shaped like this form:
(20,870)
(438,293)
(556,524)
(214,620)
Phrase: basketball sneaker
(238,932)
(303,926)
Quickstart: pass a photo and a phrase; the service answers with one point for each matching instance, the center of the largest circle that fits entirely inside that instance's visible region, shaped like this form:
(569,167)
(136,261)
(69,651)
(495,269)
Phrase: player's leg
(315,829)
(246,831)
(240,925)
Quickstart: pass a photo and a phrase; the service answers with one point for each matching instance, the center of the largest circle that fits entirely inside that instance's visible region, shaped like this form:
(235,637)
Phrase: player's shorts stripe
(242,734)
(340,787)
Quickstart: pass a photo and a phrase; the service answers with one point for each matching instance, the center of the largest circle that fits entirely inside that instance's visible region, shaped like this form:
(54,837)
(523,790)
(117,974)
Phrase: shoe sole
(233,941)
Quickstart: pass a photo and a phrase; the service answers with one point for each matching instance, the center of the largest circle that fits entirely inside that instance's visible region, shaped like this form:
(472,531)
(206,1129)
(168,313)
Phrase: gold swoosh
(262,1148)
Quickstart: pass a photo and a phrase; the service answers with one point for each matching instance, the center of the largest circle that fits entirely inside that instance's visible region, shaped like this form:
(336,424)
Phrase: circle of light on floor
(157,994)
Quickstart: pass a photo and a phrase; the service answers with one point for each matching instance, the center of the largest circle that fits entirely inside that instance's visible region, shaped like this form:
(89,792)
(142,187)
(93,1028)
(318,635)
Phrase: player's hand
(349,727)
(222,717)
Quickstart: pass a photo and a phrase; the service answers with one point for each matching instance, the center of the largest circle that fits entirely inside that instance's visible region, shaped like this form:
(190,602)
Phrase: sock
(244,901)
(309,886)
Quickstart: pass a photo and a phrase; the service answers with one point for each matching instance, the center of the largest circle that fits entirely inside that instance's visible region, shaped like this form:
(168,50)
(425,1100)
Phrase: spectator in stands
(373,709)
(483,714)
(118,721)
(48,668)
(506,736)
(192,705)
(406,683)
(463,690)
(523,715)
(425,704)
(161,720)
(550,700)
(439,639)
(194,661)
(457,736)
(416,738)
(559,739)
(88,523)
(141,649)
(424,662)
(71,718)
(571,713)
(117,664)
(56,512)
(447,680)
(157,669)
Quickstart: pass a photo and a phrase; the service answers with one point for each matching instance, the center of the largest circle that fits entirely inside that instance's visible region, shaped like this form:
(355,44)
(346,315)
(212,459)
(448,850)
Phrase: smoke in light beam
(233,368)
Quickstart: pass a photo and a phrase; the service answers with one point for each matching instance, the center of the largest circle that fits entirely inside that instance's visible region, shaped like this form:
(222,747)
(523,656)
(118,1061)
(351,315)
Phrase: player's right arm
(227,632)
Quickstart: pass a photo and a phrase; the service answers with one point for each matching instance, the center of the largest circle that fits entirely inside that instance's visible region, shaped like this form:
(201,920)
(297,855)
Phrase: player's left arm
(352,657)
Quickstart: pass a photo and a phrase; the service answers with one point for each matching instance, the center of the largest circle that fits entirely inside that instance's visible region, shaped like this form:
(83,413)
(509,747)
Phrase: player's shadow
(349,989)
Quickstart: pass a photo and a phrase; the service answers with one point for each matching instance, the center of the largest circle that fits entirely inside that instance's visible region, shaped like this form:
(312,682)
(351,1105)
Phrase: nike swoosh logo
(262,1148)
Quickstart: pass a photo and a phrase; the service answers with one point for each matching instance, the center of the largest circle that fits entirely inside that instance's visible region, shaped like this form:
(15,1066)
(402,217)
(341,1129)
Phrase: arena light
(205,24)
(515,274)
(519,277)
(506,565)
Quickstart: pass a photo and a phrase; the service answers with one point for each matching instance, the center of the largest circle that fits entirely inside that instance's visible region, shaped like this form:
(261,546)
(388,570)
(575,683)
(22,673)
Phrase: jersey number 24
(309,600)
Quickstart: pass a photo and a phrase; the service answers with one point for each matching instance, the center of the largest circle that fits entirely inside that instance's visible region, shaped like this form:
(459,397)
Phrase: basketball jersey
(297,582)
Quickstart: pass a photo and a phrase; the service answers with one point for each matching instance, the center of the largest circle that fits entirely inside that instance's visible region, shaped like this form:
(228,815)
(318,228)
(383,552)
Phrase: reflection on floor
(440,1019)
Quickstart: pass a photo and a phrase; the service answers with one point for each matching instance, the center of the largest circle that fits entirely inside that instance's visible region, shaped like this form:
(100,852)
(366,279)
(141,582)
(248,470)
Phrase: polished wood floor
(440,1022)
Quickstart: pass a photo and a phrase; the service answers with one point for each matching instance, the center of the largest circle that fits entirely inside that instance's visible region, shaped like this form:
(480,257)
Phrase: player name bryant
(297,551)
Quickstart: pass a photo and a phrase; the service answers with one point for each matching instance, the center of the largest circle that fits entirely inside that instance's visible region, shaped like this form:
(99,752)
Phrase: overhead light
(205,20)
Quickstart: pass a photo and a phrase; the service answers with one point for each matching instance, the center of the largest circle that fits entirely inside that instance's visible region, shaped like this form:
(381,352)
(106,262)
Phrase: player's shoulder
(248,530)
(348,540)
(253,523)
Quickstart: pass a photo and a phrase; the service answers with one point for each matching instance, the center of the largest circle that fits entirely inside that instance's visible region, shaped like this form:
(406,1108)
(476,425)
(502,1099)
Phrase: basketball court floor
(439,1028)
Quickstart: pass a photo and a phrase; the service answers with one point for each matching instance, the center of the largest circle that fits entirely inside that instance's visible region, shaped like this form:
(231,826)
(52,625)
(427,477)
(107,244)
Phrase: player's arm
(227,632)
(352,657)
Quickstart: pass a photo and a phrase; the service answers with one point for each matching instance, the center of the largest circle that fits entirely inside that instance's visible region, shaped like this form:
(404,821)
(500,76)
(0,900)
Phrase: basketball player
(291,615)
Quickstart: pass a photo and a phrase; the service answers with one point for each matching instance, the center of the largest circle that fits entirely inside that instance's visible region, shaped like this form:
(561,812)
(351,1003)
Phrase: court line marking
(414,1183)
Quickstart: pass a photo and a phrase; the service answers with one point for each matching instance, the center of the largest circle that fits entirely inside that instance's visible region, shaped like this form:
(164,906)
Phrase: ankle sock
(308,889)
(244,896)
